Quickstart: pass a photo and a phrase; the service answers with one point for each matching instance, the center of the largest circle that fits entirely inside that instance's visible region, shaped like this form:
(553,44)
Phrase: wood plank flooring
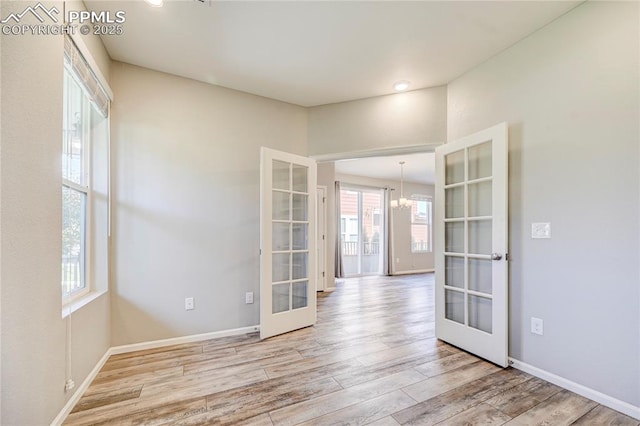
(371,359)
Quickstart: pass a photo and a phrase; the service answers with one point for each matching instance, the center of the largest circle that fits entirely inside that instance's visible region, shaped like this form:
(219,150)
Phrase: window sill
(80,302)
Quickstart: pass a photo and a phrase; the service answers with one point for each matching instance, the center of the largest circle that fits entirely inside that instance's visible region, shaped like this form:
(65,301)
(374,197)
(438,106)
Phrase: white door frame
(321,236)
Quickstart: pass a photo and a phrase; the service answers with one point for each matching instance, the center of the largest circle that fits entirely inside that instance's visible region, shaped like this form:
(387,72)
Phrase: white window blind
(74,59)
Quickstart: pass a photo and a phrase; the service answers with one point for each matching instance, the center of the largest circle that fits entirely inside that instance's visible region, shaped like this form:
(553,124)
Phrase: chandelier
(402,203)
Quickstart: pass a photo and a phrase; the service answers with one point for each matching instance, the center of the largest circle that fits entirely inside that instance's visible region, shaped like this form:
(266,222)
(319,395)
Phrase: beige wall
(570,93)
(186,159)
(413,118)
(403,260)
(33,352)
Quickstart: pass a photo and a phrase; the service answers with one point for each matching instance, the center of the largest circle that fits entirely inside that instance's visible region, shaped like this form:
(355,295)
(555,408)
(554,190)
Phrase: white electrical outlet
(70,384)
(188,304)
(537,326)
(248,297)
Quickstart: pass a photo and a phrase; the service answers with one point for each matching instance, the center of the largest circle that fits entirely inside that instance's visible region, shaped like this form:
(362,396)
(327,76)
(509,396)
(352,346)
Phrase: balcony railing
(350,248)
(420,246)
(71,274)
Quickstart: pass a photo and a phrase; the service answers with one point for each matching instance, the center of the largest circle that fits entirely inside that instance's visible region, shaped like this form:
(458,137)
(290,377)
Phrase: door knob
(496,256)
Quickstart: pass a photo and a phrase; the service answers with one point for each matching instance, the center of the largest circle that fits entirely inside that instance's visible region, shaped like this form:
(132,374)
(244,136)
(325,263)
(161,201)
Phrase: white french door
(287,242)
(471,244)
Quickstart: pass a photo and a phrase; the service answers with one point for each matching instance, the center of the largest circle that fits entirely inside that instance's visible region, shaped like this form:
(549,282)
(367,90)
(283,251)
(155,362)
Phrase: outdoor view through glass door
(361,230)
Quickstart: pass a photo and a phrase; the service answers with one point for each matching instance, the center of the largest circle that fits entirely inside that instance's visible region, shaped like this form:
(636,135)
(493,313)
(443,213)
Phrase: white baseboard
(414,271)
(183,339)
(114,350)
(599,397)
(62,415)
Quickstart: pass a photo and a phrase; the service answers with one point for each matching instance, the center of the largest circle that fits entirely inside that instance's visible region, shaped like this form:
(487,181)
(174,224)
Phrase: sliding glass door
(362,230)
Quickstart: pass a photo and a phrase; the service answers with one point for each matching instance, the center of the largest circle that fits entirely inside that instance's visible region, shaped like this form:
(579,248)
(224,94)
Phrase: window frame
(82,75)
(87,189)
(416,198)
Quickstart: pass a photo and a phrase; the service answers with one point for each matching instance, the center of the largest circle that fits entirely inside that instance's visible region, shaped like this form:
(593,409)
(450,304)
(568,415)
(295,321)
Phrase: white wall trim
(599,397)
(183,339)
(413,271)
(62,415)
(380,152)
(114,350)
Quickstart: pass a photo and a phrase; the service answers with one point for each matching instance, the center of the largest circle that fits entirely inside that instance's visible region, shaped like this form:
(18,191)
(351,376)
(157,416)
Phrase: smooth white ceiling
(319,52)
(419,168)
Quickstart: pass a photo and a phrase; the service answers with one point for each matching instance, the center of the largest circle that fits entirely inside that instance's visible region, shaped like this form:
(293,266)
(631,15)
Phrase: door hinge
(260,252)
(323,237)
(323,275)
(324,199)
(506,256)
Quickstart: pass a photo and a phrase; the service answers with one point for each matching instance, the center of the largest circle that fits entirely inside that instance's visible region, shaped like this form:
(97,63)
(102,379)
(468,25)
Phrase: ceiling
(418,168)
(319,52)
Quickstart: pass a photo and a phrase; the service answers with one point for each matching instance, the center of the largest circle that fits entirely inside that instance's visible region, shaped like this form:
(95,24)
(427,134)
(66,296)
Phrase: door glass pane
(480,199)
(300,178)
(280,206)
(280,236)
(300,236)
(480,236)
(454,166)
(454,306)
(280,267)
(454,206)
(480,313)
(300,209)
(300,265)
(454,271)
(480,161)
(280,175)
(454,237)
(280,298)
(480,275)
(300,294)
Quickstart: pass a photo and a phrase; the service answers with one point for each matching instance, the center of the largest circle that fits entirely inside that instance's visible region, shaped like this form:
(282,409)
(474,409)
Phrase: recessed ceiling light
(154,3)
(401,86)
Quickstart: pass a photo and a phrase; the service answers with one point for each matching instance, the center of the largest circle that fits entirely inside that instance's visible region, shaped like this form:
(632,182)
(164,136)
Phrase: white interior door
(288,249)
(471,244)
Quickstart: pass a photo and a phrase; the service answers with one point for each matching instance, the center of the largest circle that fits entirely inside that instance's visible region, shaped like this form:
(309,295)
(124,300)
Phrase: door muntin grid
(290,272)
(468,223)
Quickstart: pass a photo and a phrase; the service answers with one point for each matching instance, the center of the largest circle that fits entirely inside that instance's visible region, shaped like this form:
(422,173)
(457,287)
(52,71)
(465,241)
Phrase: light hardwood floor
(370,359)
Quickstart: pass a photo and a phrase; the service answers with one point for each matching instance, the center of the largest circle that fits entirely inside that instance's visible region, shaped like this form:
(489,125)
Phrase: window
(421,208)
(84,178)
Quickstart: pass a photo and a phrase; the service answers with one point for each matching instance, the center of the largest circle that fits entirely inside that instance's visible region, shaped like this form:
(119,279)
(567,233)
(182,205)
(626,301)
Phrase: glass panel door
(361,230)
(471,267)
(288,279)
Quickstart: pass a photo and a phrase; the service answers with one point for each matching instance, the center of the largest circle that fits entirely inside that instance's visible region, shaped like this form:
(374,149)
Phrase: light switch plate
(537,326)
(188,304)
(541,230)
